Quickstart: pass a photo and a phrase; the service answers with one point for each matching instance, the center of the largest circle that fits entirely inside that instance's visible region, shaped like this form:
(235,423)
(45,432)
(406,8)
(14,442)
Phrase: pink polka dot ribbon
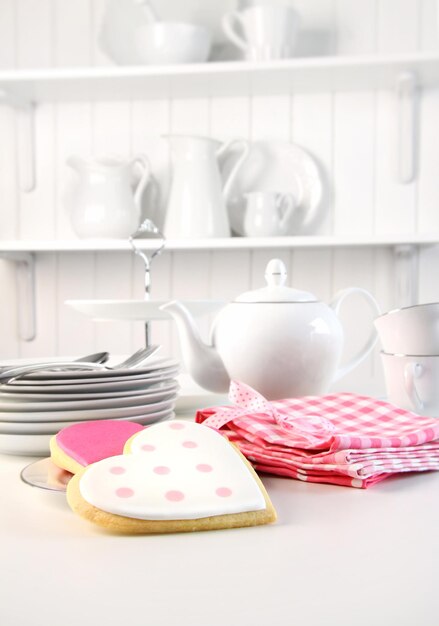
(247,402)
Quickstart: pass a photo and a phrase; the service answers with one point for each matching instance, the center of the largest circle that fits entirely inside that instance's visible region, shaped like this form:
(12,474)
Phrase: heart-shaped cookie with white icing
(175,476)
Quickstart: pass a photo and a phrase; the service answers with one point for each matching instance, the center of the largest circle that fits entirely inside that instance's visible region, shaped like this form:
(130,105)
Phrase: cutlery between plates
(135,360)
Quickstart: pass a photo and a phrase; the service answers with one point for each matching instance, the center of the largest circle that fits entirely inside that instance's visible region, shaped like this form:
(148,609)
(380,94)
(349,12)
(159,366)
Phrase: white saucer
(85,405)
(139,310)
(51,428)
(89,414)
(152,392)
(280,167)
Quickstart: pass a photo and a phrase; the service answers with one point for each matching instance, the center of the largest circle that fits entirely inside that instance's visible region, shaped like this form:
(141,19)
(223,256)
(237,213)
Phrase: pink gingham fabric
(340,438)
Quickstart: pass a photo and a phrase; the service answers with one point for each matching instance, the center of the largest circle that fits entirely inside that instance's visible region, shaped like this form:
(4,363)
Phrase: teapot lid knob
(275,273)
(276,290)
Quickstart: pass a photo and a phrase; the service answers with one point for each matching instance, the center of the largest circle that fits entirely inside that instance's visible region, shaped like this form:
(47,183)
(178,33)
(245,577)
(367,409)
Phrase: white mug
(412,382)
(263,32)
(268,213)
(410,330)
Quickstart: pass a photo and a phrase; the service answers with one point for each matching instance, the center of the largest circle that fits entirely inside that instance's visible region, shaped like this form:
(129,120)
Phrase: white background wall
(352,135)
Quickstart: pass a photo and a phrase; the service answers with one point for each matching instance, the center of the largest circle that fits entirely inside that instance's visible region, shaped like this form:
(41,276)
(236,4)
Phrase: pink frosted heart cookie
(79,445)
(174,476)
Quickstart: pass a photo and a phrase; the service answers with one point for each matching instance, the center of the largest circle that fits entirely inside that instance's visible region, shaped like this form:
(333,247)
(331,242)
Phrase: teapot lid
(276,290)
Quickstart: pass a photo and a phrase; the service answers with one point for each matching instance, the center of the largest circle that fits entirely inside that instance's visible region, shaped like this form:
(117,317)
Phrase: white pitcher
(104,203)
(197,200)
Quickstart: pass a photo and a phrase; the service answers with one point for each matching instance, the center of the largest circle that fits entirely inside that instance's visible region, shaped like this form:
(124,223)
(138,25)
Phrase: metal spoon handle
(13,372)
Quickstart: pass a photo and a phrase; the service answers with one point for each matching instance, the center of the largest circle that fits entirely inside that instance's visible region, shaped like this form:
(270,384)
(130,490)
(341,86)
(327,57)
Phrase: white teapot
(281,341)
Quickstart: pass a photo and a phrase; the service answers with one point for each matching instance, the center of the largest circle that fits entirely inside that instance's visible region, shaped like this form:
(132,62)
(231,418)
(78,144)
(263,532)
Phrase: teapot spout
(202,361)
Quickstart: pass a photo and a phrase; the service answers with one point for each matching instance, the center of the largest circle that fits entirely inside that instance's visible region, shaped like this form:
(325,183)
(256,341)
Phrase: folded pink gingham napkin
(341,438)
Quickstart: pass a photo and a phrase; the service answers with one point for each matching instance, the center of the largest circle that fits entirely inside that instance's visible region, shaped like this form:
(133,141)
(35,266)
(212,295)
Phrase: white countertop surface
(336,556)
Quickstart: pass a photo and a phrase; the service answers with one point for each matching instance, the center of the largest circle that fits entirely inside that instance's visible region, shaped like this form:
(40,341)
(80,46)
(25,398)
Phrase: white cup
(268,213)
(412,382)
(263,32)
(410,330)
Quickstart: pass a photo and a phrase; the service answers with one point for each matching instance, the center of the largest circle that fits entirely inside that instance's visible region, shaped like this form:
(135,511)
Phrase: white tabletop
(336,556)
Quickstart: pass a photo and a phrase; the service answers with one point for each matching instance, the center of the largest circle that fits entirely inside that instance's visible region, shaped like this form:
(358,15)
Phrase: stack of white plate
(35,407)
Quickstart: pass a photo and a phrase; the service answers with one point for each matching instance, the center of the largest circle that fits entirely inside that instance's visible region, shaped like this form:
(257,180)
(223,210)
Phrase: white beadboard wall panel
(72,33)
(312,128)
(46,340)
(230,118)
(428,272)
(395,203)
(317,33)
(97,8)
(354,143)
(230,274)
(112,280)
(428,187)
(161,289)
(37,207)
(312,271)
(356,26)
(270,118)
(7,34)
(73,136)
(110,127)
(150,123)
(9,228)
(190,117)
(191,280)
(398,25)
(9,339)
(35,35)
(429,25)
(75,281)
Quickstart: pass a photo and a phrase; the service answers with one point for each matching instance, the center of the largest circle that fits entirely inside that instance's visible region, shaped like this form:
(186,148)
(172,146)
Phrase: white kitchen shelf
(231,243)
(232,78)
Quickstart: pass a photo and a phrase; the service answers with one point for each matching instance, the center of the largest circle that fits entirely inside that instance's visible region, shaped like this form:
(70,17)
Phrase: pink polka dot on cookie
(223,492)
(147,447)
(176,425)
(117,469)
(204,467)
(124,492)
(190,444)
(174,495)
(161,469)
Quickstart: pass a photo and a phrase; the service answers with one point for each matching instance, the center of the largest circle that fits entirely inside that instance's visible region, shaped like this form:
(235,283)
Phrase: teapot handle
(372,339)
(145,165)
(245,150)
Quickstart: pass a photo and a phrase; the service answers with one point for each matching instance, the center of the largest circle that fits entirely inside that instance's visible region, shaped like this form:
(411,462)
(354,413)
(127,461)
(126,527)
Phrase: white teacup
(268,213)
(410,330)
(263,32)
(412,382)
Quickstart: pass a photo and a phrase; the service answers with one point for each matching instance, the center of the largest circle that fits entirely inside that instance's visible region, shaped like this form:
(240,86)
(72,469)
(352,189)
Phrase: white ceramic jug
(197,200)
(103,203)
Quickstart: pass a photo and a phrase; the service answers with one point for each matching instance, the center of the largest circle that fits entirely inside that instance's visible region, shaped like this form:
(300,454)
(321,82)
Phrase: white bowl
(155,43)
(168,43)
